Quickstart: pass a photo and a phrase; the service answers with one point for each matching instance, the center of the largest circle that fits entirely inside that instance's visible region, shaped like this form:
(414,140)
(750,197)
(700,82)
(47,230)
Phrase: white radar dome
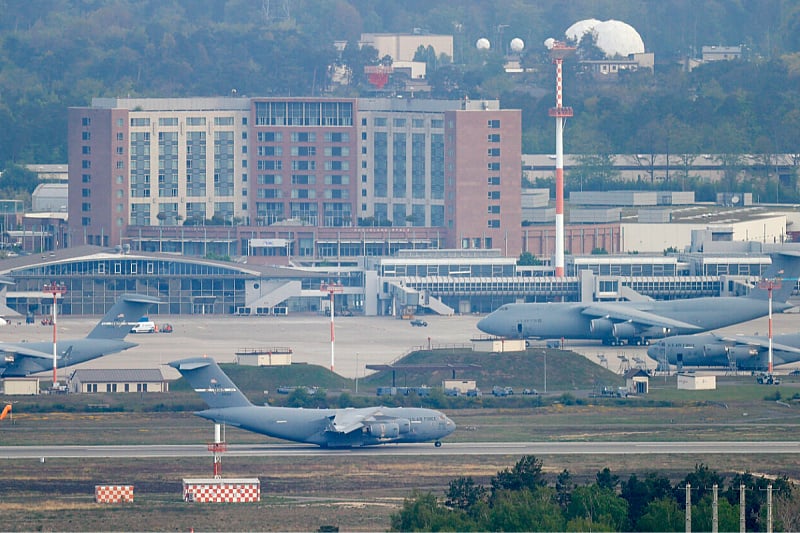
(549,42)
(617,38)
(577,30)
(517,45)
(483,44)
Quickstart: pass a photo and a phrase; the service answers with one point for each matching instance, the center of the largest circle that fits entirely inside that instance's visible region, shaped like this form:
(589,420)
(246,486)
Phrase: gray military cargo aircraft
(637,322)
(328,428)
(739,351)
(107,337)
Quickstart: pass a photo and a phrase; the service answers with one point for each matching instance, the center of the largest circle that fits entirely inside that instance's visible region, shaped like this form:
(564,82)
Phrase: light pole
(55,289)
(331,289)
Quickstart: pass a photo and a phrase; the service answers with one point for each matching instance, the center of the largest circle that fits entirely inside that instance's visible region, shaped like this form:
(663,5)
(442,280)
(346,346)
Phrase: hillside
(63,53)
(566,371)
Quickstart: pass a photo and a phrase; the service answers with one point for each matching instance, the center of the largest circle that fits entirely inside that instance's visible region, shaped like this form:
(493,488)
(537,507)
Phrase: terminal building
(415,281)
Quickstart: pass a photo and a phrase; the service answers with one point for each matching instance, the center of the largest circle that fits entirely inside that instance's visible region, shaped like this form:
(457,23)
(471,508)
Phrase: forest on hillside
(60,53)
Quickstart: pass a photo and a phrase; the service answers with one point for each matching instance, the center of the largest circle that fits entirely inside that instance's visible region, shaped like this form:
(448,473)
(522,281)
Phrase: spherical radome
(483,44)
(615,37)
(549,42)
(517,44)
(577,30)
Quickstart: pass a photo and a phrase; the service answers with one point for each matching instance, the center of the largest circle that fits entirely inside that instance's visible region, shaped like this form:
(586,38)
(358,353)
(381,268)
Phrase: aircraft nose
(449,425)
(488,324)
(656,350)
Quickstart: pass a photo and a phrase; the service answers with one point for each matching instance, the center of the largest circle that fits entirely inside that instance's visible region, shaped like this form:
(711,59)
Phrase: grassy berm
(360,493)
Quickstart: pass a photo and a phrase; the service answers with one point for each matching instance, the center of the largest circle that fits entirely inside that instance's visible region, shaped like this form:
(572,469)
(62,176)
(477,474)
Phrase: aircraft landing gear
(438,444)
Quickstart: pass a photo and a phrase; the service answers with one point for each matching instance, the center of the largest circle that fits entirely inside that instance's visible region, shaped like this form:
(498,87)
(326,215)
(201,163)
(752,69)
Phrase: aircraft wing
(21,349)
(349,420)
(761,342)
(630,314)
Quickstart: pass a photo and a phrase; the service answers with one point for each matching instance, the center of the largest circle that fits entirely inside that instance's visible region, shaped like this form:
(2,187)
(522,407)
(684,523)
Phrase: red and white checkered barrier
(113,493)
(222,490)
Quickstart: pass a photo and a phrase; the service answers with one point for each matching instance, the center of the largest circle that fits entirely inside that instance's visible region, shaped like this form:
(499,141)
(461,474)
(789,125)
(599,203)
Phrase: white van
(147,326)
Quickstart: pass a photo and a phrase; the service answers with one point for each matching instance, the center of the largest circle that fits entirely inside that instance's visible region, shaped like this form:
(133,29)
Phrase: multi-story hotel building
(295,177)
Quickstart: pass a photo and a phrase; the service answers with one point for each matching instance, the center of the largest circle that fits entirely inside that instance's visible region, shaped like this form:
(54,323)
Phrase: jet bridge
(404,296)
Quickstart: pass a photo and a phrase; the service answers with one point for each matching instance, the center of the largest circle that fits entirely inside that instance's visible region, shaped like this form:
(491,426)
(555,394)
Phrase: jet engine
(384,430)
(742,353)
(403,424)
(601,327)
(624,330)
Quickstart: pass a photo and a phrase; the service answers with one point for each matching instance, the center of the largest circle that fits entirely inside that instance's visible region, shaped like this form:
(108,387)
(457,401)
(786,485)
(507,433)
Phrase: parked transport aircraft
(107,337)
(638,322)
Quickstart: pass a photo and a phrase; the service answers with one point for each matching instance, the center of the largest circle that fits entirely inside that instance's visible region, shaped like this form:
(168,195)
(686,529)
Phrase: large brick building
(307,178)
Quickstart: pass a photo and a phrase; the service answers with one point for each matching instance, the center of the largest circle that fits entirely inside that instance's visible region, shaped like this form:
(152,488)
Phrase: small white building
(498,345)
(21,386)
(276,356)
(463,386)
(91,380)
(691,381)
(637,381)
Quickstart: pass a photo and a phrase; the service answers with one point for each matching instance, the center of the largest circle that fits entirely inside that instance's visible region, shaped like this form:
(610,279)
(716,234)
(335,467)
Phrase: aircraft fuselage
(573,321)
(709,350)
(313,426)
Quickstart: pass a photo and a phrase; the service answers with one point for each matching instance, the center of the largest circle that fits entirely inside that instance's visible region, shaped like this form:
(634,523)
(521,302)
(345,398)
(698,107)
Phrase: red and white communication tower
(217,448)
(770,284)
(56,290)
(331,289)
(558,51)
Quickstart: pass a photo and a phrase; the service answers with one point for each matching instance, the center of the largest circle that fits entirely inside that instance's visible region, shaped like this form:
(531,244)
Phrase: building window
(494,223)
(494,124)
(493,166)
(86,121)
(494,180)
(86,135)
(494,152)
(493,138)
(494,195)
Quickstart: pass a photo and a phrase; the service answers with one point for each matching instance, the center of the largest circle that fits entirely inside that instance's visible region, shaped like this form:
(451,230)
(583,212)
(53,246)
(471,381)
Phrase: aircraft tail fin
(116,323)
(210,382)
(6,410)
(786,267)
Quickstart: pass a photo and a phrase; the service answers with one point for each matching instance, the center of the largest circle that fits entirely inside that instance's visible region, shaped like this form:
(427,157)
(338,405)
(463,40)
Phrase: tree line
(522,498)
(55,54)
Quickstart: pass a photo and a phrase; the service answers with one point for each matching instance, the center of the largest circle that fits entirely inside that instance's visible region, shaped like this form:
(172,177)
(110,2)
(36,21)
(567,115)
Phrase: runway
(447,449)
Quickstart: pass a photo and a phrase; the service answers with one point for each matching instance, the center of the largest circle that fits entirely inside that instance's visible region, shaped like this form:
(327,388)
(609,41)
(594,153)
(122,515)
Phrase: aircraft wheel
(438,444)
(638,342)
(647,342)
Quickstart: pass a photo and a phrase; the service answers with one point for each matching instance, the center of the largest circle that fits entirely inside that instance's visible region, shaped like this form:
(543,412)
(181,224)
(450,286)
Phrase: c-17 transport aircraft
(638,322)
(327,428)
(712,350)
(107,337)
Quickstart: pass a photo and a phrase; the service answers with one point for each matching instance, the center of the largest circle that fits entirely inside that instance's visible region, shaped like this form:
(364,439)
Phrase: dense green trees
(520,499)
(60,53)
